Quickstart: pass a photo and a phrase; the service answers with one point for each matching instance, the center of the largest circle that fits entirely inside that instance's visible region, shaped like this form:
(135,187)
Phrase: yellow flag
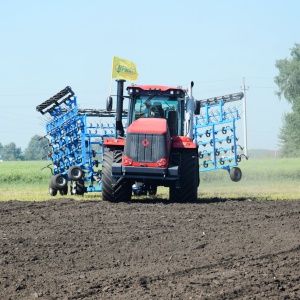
(124,69)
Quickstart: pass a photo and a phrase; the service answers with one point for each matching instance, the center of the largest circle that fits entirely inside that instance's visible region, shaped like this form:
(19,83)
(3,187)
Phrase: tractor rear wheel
(187,160)
(122,189)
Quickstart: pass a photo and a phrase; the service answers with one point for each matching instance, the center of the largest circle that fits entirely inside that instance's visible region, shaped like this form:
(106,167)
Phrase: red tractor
(157,149)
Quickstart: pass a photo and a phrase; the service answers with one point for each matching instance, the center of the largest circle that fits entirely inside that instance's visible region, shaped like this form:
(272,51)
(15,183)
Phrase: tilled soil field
(211,249)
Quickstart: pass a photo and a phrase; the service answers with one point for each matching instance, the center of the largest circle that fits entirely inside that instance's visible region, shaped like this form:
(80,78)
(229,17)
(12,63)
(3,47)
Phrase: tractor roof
(151,87)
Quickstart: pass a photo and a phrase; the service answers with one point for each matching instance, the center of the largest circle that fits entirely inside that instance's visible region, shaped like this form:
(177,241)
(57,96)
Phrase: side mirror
(197,107)
(109,103)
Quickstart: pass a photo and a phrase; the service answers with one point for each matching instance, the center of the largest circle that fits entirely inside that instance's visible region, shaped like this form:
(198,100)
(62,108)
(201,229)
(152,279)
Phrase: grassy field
(262,179)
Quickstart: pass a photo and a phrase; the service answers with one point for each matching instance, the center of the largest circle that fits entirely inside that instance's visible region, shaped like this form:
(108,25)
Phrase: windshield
(154,107)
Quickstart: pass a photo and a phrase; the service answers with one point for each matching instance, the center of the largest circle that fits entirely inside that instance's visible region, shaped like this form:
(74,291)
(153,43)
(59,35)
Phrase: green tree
(37,148)
(288,82)
(10,152)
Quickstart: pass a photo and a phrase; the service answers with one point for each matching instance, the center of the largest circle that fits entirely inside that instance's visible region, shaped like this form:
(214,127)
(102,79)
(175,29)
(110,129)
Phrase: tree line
(37,149)
(288,81)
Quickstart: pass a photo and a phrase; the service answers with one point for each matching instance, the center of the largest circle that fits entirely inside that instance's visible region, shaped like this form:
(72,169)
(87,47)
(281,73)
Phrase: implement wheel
(75,173)
(235,174)
(187,160)
(114,191)
(64,191)
(59,182)
(77,187)
(52,190)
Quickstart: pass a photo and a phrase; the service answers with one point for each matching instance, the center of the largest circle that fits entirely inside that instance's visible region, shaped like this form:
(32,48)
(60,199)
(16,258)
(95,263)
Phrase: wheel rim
(60,181)
(75,173)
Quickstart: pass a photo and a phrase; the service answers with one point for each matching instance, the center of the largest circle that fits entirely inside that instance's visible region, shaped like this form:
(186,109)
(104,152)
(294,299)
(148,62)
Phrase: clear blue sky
(47,45)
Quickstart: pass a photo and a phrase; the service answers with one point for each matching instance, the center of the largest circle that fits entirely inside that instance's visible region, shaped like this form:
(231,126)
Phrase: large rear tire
(187,160)
(122,189)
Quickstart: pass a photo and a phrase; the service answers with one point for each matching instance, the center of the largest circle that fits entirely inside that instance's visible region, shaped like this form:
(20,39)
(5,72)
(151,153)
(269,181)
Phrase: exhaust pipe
(119,109)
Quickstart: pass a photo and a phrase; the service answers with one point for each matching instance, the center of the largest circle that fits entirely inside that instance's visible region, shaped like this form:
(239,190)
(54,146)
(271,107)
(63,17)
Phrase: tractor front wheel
(121,190)
(187,160)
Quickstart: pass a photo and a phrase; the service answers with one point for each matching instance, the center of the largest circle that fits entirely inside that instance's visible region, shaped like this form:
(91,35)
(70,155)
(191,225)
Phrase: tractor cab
(151,101)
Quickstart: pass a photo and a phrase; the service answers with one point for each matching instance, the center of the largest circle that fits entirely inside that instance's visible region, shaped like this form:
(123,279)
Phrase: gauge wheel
(235,174)
(59,182)
(52,191)
(75,173)
(77,187)
(64,191)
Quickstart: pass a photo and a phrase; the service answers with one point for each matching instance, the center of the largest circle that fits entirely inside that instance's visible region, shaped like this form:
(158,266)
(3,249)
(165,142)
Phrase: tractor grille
(145,147)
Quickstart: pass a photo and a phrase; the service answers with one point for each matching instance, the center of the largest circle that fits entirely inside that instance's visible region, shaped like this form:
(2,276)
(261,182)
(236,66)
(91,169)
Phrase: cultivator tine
(55,101)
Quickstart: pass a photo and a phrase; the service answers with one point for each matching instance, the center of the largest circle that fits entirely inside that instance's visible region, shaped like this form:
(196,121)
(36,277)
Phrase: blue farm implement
(215,133)
(76,144)
(165,138)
